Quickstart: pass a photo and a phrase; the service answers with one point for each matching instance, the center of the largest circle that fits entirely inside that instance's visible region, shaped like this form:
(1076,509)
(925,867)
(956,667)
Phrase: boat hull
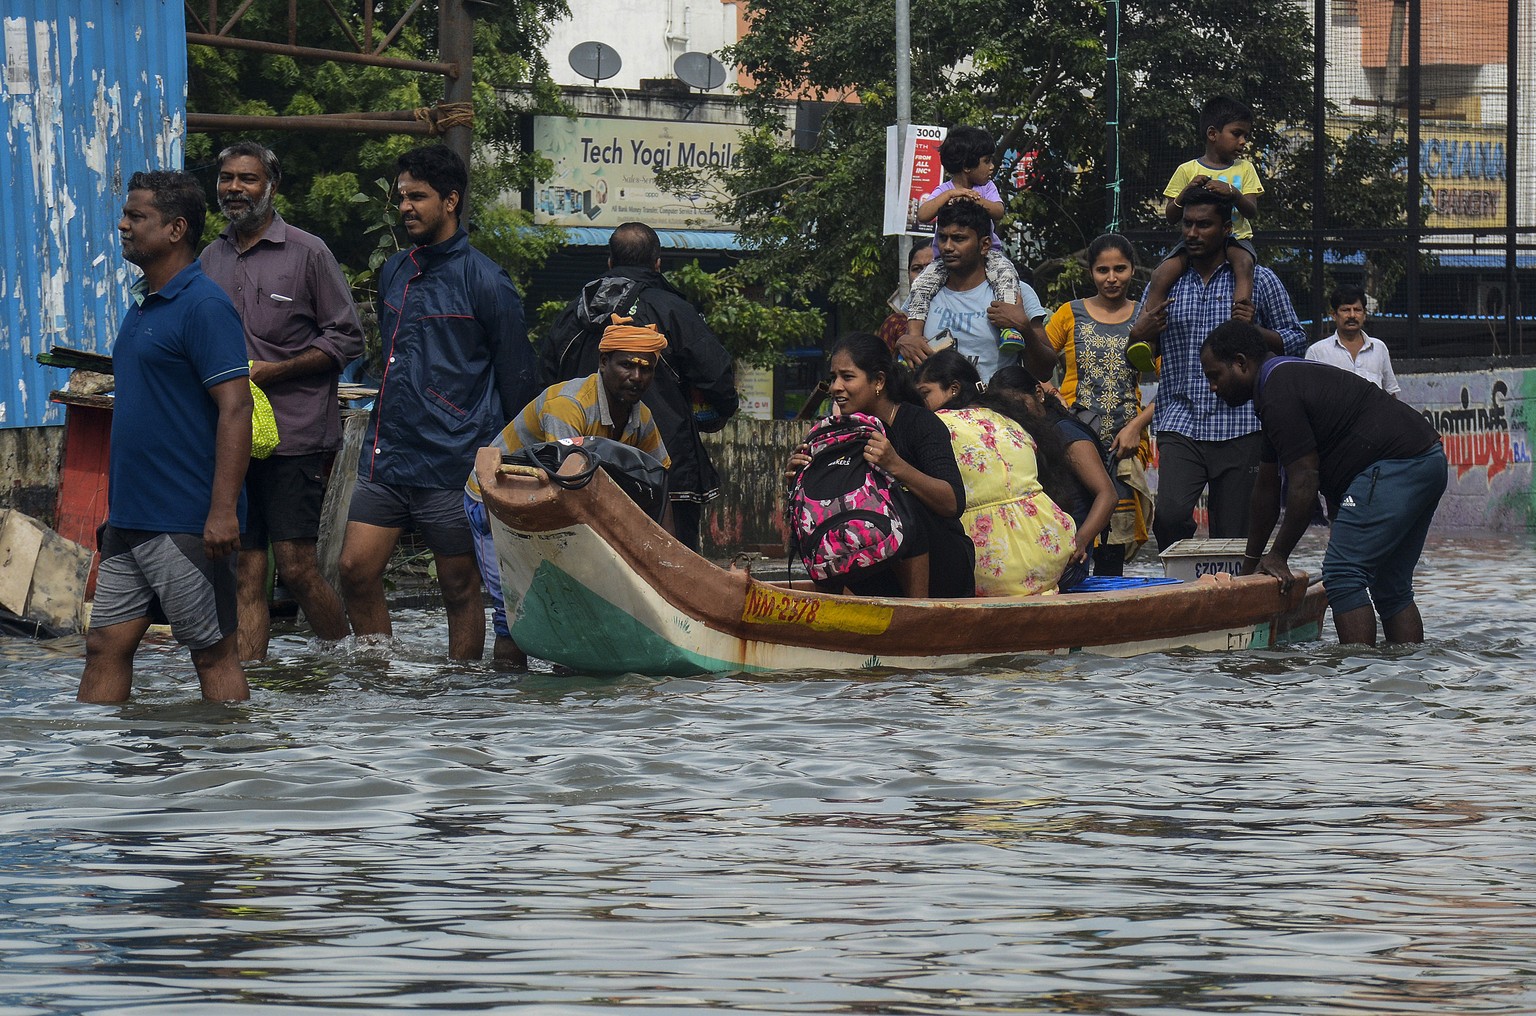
(592,584)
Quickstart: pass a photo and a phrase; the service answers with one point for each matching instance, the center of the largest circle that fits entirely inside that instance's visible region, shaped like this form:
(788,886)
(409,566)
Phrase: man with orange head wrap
(605,404)
(695,389)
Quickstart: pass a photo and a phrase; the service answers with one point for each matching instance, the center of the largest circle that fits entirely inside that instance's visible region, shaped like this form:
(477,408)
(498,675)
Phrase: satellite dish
(699,70)
(596,60)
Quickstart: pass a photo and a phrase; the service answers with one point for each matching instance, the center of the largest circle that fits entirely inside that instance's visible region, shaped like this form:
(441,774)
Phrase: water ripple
(1304,830)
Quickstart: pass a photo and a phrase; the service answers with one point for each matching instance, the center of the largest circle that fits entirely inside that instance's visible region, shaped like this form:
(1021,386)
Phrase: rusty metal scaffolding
(452,118)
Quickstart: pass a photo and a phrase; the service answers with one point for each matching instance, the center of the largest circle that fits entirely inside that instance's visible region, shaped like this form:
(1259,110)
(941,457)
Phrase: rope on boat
(570,481)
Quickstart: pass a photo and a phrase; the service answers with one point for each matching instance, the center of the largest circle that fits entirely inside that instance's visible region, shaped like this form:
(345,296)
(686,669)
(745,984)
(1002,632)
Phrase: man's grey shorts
(167,578)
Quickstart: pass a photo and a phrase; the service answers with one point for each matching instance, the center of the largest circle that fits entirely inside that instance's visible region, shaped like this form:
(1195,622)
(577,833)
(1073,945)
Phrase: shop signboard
(755,385)
(605,170)
(1463,172)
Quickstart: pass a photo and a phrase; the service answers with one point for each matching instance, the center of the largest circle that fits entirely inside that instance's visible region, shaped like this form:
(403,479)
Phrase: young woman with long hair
(938,560)
(1104,390)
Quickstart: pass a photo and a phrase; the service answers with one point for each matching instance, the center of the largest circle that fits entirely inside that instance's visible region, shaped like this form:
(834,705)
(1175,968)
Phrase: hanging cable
(1113,177)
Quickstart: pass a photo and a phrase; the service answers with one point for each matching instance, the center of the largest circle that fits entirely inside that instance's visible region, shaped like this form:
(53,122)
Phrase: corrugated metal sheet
(91,96)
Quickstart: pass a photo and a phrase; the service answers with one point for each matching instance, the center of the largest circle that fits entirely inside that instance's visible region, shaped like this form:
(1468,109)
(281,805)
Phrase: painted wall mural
(1484,423)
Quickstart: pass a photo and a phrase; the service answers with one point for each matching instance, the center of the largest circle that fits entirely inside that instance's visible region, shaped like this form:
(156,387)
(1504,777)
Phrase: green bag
(263,425)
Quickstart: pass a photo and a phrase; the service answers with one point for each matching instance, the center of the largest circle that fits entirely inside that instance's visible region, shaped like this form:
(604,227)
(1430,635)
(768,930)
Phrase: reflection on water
(1306,830)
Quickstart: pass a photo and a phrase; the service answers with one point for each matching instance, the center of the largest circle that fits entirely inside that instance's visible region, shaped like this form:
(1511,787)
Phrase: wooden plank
(58,584)
(338,495)
(69,398)
(70,358)
(21,537)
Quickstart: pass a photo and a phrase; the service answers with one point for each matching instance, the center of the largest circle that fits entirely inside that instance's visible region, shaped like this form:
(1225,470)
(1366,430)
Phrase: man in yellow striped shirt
(605,404)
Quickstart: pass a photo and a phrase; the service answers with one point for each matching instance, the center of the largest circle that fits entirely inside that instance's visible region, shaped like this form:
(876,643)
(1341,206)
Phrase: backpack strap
(1267,368)
(607,295)
(837,430)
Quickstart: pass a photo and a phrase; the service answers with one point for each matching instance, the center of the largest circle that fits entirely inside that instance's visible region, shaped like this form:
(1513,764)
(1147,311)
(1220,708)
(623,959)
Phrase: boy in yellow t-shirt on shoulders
(1227,124)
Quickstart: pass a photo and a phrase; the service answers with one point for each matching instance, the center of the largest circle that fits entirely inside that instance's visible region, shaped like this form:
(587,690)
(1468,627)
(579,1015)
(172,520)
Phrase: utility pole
(1514,342)
(1112,180)
(456,47)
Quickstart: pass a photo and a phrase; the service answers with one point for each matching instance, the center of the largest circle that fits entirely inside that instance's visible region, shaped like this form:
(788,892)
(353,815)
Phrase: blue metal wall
(90,97)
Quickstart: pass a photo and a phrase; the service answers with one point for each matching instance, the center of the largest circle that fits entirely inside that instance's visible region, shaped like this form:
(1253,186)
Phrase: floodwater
(1306,830)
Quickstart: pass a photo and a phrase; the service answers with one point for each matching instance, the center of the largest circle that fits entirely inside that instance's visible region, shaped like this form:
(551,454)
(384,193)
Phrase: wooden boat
(590,582)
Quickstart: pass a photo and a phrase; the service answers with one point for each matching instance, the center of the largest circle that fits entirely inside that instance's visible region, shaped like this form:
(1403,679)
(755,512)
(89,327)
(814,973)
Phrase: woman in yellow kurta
(1023,539)
(1104,391)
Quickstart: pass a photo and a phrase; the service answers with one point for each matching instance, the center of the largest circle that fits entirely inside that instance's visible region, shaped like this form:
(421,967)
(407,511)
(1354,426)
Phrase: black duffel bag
(637,473)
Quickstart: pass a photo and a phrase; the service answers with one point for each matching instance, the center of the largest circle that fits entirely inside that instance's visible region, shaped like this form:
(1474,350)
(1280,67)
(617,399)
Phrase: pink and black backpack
(845,515)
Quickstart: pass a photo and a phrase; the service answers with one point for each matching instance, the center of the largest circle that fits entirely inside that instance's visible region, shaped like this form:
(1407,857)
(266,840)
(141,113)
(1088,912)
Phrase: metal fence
(1450,273)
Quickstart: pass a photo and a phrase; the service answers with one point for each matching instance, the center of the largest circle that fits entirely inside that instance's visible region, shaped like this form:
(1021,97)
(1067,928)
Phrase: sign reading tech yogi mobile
(605,170)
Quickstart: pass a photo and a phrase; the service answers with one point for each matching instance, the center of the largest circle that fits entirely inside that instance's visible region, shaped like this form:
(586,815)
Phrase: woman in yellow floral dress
(1023,538)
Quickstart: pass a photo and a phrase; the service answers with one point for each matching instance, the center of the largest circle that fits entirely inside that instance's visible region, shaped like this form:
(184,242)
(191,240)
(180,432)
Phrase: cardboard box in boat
(1188,560)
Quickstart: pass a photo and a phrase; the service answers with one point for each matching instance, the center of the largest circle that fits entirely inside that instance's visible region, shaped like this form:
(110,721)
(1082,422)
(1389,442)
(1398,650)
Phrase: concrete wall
(1484,419)
(748,516)
(29,470)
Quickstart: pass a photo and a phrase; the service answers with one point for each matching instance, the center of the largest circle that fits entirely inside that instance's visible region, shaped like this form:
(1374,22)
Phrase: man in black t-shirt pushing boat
(1377,461)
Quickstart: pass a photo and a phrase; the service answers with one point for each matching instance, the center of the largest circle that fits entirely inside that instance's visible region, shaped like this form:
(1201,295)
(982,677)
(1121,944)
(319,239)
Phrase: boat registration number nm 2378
(770,605)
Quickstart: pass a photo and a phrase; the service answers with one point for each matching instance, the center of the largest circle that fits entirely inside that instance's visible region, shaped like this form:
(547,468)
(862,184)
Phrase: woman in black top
(938,560)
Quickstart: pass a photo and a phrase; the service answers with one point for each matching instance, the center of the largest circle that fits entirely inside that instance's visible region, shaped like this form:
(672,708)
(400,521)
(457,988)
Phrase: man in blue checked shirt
(1201,441)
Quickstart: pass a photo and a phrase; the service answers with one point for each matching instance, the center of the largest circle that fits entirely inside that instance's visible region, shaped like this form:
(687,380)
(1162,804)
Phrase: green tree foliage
(1362,162)
(1174,56)
(753,329)
(1032,73)
(324,173)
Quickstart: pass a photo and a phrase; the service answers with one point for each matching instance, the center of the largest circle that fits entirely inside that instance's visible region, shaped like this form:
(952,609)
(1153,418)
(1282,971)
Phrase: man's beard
(248,217)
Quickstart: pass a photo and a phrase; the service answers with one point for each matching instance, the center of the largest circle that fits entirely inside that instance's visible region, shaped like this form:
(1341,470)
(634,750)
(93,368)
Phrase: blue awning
(674,239)
(1496,262)
(1493,261)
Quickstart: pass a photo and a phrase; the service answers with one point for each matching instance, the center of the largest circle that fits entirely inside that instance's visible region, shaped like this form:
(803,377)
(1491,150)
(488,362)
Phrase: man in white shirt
(967,307)
(1350,348)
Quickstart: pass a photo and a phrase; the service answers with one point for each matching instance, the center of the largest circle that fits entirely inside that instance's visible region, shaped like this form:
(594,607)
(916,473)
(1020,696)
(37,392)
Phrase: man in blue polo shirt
(181,438)
(1200,442)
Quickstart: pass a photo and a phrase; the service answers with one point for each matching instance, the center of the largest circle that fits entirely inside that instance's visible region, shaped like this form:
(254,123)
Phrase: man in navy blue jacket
(457,365)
